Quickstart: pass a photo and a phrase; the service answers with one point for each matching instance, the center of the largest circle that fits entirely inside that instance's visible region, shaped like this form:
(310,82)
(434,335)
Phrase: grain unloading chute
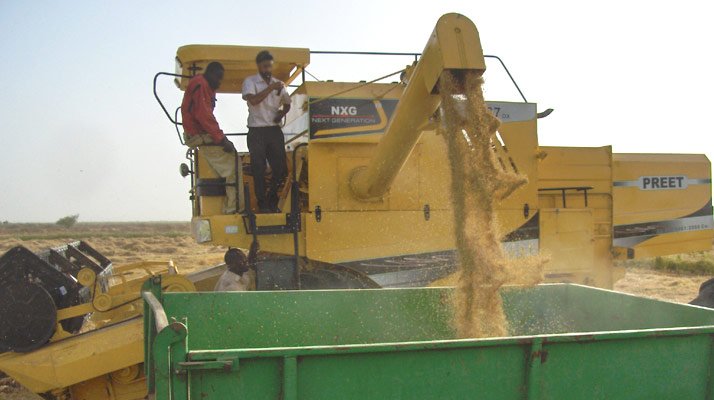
(453,46)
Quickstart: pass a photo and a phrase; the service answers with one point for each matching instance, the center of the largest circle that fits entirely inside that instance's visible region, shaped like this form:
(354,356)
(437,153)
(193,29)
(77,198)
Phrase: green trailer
(568,342)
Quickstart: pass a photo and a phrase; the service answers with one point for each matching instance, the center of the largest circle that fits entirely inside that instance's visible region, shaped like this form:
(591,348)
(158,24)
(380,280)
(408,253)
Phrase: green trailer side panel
(305,318)
(549,309)
(398,375)
(597,310)
(256,379)
(332,317)
(599,370)
(416,375)
(647,368)
(569,342)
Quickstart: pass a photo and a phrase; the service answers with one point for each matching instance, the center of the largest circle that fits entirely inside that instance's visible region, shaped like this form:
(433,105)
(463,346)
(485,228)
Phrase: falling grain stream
(478,183)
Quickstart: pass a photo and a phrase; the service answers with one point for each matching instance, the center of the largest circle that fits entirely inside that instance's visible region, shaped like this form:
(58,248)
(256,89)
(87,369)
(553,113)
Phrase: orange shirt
(197,106)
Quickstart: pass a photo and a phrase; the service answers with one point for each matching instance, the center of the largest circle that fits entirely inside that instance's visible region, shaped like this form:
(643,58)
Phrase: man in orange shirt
(202,130)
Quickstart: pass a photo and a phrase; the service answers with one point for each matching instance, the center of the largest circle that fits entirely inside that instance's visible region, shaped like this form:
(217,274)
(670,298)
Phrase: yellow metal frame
(101,357)
(238,62)
(670,211)
(78,358)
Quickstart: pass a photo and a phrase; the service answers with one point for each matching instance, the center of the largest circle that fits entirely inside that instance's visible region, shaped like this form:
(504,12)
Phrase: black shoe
(264,210)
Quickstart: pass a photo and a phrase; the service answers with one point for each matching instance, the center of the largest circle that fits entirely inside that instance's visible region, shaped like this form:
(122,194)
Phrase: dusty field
(129,242)
(121,242)
(641,280)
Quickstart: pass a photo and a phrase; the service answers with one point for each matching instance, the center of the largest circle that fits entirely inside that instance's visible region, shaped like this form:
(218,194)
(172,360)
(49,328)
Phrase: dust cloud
(478,183)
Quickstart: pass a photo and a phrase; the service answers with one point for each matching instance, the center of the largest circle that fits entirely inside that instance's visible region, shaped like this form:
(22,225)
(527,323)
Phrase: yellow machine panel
(566,238)
(575,188)
(662,204)
(239,63)
(64,363)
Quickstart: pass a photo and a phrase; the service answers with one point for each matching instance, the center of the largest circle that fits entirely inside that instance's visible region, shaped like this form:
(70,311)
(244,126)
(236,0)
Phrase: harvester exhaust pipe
(454,45)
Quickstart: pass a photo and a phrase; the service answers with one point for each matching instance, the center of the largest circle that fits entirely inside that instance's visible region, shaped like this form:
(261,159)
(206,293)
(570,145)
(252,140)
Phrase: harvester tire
(330,276)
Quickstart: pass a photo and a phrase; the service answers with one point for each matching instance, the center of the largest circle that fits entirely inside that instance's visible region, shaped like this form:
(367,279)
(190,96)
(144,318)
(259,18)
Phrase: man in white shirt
(268,102)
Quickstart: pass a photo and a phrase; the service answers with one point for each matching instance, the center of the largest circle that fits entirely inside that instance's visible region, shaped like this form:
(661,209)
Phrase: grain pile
(478,183)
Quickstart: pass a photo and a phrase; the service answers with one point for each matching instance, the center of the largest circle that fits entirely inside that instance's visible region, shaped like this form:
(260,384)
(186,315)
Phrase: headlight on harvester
(184,170)
(202,230)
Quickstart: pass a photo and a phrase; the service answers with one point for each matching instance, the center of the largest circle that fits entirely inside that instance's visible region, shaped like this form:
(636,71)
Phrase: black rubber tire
(28,315)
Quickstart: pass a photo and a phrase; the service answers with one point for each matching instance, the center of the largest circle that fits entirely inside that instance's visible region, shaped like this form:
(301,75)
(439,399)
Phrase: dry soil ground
(642,281)
(128,242)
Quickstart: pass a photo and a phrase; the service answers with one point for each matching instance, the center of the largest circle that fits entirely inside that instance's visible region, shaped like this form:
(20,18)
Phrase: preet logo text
(663,182)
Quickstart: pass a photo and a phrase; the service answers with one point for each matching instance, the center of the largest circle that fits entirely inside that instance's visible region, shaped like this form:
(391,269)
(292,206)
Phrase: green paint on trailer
(567,342)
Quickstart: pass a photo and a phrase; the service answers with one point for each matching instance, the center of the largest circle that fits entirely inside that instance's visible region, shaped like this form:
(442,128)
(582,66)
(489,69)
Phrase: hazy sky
(83,134)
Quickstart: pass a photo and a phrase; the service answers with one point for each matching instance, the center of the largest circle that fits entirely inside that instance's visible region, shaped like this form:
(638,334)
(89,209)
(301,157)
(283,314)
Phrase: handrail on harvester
(416,58)
(161,321)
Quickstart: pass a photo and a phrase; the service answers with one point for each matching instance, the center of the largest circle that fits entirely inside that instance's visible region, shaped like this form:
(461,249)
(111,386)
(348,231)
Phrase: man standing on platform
(268,102)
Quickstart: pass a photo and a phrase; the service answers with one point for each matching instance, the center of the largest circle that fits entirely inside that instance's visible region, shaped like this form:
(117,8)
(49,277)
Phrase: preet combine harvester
(366,205)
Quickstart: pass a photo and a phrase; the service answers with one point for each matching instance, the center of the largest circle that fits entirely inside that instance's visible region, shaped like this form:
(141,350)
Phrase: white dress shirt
(263,113)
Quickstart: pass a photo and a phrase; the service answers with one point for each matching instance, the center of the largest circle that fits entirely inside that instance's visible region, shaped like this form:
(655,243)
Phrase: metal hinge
(318,213)
(224,365)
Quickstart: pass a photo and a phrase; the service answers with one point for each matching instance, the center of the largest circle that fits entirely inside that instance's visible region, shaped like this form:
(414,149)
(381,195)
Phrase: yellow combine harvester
(367,204)
(369,189)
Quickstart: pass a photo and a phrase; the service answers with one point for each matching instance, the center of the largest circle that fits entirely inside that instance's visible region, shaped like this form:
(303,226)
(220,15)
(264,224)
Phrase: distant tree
(5,222)
(68,221)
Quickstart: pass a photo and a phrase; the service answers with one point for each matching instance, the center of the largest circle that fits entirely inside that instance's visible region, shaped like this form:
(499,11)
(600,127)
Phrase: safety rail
(176,123)
(416,58)
(564,189)
(175,120)
(160,319)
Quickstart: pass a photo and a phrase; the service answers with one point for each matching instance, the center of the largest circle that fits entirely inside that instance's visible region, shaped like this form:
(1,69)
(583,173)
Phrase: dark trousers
(267,143)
